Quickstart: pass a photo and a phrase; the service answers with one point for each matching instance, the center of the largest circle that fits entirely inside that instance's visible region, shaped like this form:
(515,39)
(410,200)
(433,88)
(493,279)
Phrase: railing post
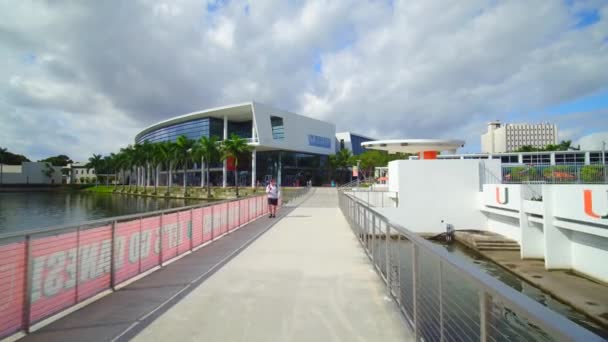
(113,258)
(373,238)
(27,293)
(160,237)
(139,241)
(191,230)
(414,285)
(76,287)
(366,230)
(485,305)
(441,326)
(387,255)
(212,222)
(228,217)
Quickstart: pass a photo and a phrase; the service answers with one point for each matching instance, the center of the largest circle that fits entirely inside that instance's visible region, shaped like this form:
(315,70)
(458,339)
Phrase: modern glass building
(289,147)
(351,141)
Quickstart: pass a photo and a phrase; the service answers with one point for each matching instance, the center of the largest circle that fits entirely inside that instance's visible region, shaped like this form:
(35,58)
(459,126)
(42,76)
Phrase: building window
(278,130)
(341,144)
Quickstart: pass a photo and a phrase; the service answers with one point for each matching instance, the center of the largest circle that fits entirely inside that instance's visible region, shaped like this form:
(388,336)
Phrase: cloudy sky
(82,77)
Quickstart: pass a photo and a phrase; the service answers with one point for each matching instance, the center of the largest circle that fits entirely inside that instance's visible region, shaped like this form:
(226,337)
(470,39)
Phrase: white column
(253,176)
(552,158)
(557,244)
(225,167)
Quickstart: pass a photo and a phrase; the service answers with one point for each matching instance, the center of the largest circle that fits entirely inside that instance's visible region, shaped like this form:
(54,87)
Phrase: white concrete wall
(435,190)
(297,130)
(32,173)
(505,226)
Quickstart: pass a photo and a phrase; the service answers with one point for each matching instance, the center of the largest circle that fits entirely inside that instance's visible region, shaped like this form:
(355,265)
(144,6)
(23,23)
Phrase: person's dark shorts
(273,201)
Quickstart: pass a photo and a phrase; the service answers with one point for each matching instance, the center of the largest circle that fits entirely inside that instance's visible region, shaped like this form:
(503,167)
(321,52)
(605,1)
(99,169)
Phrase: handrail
(50,229)
(48,270)
(492,292)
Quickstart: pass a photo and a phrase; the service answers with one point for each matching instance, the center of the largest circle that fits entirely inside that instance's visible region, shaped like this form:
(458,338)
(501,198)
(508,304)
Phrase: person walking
(272,191)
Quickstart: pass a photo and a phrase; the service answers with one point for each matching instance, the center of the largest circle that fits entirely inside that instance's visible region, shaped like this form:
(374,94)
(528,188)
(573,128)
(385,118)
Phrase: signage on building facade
(318,141)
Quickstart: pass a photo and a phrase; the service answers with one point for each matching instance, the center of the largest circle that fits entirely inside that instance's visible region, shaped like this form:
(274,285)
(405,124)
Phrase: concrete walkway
(306,279)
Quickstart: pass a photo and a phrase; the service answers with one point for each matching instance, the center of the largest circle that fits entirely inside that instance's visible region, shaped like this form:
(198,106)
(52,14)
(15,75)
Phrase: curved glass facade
(194,129)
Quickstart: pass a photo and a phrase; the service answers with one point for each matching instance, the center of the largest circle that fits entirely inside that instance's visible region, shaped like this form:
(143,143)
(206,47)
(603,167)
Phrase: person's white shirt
(272,191)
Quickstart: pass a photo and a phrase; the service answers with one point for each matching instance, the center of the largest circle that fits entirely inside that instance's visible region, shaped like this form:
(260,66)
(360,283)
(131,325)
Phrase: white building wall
(32,173)
(435,190)
(297,130)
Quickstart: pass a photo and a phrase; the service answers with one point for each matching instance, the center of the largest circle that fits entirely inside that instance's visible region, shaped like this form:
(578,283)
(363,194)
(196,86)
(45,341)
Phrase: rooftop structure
(425,148)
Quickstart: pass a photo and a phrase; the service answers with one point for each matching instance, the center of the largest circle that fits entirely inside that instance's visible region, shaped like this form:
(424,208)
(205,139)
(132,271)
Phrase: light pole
(604,160)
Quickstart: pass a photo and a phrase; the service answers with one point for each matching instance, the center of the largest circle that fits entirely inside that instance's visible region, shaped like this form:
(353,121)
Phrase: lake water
(31,210)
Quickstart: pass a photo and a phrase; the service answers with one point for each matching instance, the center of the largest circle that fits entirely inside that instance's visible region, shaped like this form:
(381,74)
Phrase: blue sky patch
(587,18)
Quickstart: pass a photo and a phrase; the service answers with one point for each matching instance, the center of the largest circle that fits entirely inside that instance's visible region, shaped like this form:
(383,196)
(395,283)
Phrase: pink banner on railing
(170,238)
(128,249)
(12,287)
(184,232)
(72,266)
(207,223)
(150,243)
(95,256)
(54,274)
(197,227)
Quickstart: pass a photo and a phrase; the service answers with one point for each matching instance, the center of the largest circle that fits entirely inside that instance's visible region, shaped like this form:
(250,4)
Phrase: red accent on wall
(230,164)
(429,155)
(589,204)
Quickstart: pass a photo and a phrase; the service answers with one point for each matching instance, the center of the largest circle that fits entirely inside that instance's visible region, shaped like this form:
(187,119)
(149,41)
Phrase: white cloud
(388,68)
(593,141)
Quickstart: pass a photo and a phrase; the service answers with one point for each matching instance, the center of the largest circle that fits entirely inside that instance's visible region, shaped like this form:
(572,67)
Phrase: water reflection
(31,210)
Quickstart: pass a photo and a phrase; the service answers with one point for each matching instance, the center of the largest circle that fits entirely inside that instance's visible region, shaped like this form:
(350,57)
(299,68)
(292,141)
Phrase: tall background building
(509,137)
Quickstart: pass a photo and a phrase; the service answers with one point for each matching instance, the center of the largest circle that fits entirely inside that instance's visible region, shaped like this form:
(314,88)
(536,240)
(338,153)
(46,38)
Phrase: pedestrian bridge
(328,268)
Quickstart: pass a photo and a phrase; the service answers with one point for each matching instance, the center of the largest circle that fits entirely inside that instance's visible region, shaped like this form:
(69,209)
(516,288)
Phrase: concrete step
(497,244)
(495,248)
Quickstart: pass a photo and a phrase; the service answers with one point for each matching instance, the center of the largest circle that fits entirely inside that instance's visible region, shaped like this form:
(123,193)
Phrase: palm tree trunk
(185,168)
(236,181)
(202,172)
(170,179)
(208,183)
(156,178)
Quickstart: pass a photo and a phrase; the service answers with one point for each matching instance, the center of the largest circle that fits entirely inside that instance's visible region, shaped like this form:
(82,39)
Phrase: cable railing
(555,174)
(47,271)
(446,298)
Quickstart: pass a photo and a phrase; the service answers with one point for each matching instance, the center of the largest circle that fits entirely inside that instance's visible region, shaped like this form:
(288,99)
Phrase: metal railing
(446,298)
(374,198)
(46,271)
(555,174)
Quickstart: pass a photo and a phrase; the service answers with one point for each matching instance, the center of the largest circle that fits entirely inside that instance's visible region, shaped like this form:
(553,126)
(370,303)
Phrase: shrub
(592,173)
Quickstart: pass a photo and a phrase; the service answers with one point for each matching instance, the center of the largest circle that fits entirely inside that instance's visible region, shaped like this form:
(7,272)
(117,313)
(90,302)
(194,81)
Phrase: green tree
(340,162)
(94,163)
(207,150)
(48,171)
(9,158)
(234,147)
(59,160)
(183,150)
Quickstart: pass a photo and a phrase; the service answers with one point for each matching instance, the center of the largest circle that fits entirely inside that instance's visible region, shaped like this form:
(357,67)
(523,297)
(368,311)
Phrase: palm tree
(207,150)
(128,162)
(233,148)
(158,157)
(166,157)
(147,154)
(95,164)
(184,147)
